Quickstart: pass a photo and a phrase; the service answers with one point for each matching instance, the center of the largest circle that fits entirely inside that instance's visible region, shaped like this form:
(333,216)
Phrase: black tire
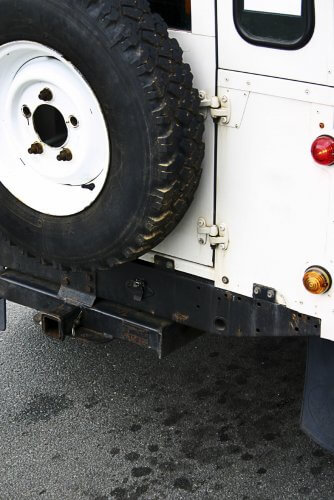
(155,129)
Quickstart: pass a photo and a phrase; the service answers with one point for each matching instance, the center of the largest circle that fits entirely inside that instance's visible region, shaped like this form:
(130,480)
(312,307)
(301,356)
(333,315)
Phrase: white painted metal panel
(291,7)
(203,17)
(278,204)
(313,63)
(200,52)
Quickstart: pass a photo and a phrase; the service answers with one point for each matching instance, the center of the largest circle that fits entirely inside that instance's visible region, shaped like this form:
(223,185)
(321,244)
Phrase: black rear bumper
(158,290)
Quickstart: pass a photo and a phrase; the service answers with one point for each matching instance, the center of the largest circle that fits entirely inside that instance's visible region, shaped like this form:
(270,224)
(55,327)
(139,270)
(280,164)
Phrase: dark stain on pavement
(183,483)
(43,407)
(141,471)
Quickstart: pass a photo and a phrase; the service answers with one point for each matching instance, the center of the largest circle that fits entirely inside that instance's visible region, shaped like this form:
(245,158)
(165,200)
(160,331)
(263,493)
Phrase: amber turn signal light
(317,280)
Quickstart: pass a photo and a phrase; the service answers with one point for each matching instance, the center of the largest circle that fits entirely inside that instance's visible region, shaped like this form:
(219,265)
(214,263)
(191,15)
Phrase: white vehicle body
(102,147)
(259,178)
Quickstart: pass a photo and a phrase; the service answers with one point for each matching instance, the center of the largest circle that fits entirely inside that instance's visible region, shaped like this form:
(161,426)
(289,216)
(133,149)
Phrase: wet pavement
(217,419)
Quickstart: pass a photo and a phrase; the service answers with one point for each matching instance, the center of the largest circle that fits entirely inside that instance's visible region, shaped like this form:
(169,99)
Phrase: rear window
(282,24)
(176,13)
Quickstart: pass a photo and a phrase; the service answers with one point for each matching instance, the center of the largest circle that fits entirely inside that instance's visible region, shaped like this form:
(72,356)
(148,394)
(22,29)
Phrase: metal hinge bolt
(217,235)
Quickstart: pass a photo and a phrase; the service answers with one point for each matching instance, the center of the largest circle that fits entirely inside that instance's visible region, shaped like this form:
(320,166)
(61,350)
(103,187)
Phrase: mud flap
(317,418)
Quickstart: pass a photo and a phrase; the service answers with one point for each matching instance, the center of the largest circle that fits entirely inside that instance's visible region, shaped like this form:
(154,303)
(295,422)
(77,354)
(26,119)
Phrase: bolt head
(270,294)
(225,280)
(45,95)
(257,290)
(201,241)
(65,155)
(36,149)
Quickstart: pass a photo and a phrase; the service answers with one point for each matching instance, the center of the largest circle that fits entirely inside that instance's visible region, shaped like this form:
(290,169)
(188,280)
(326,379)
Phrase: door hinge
(220,107)
(217,235)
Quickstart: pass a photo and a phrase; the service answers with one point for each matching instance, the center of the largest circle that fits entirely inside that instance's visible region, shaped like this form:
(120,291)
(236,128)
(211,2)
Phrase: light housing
(317,280)
(323,150)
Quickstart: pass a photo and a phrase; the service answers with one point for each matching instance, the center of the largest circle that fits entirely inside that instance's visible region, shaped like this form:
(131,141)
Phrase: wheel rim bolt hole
(26,111)
(74,121)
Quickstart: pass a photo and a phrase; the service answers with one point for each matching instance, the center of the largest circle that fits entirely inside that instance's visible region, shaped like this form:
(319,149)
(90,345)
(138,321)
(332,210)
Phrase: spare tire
(100,130)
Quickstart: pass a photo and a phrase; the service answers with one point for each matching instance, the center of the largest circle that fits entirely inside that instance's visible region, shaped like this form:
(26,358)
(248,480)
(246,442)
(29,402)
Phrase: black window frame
(166,12)
(269,21)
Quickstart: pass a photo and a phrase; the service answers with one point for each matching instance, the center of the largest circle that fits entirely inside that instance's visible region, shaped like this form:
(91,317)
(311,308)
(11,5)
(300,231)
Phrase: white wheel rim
(41,181)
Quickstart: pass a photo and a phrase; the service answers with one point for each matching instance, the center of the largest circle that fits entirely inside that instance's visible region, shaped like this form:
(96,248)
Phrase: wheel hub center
(50,125)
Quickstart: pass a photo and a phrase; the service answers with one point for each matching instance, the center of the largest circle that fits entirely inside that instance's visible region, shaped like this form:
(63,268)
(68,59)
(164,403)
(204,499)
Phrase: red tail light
(323,150)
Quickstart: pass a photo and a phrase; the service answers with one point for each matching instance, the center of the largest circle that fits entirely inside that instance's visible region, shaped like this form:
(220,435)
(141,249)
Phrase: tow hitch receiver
(317,418)
(106,321)
(103,321)
(60,322)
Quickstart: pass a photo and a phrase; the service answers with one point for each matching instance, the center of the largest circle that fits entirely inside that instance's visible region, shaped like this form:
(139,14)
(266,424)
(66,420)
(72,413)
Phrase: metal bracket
(164,262)
(217,235)
(78,288)
(261,292)
(220,107)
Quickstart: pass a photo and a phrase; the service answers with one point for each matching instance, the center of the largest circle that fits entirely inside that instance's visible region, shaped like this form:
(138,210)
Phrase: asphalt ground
(218,419)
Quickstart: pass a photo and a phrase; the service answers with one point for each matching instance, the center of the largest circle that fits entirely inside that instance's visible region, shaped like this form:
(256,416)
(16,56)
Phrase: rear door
(193,25)
(276,67)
